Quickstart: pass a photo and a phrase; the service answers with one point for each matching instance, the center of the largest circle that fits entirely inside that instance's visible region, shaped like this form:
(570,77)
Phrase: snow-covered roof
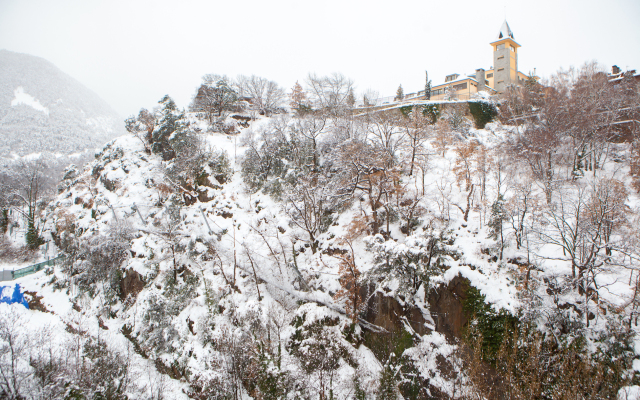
(504,31)
(462,78)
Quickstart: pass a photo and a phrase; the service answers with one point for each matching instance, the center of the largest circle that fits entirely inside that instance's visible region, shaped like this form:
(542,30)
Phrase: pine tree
(497,219)
(387,387)
(427,86)
(224,96)
(399,94)
(351,98)
(4,220)
(32,239)
(170,117)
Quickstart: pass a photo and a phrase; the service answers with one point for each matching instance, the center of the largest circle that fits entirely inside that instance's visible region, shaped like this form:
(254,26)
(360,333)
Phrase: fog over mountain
(42,109)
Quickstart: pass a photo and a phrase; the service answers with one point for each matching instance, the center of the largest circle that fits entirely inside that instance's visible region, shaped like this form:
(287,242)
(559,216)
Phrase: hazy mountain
(42,109)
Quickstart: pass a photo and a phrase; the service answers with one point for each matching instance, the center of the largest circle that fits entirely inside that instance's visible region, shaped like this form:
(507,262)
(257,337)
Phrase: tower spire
(505,31)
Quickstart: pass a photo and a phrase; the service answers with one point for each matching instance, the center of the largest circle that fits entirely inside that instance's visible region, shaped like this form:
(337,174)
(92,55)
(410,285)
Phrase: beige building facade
(495,80)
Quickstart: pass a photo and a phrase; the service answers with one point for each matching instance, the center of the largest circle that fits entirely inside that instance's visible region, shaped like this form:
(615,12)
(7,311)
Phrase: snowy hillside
(416,253)
(43,109)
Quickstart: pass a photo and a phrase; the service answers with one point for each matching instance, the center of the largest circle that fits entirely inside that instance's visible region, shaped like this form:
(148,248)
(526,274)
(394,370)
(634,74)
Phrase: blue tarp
(16,297)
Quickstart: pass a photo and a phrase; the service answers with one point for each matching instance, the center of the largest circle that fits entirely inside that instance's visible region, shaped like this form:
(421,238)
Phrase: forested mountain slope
(42,109)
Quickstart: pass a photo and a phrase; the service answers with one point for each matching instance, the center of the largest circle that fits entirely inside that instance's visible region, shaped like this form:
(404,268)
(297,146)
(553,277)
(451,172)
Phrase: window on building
(500,46)
(500,69)
(500,81)
(490,75)
(513,49)
(460,86)
(451,77)
(500,58)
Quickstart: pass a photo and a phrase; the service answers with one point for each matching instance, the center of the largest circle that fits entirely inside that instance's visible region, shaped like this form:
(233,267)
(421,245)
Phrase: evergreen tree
(358,391)
(4,220)
(32,239)
(399,94)
(351,98)
(169,120)
(387,387)
(497,219)
(224,96)
(427,86)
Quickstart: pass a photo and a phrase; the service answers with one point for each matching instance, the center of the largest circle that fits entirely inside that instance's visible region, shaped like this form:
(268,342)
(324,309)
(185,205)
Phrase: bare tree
(264,94)
(215,96)
(385,133)
(25,187)
(142,127)
(329,94)
(307,204)
(14,348)
(311,127)
(417,131)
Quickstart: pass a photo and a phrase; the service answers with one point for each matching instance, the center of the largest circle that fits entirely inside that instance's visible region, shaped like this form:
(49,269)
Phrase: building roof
(505,31)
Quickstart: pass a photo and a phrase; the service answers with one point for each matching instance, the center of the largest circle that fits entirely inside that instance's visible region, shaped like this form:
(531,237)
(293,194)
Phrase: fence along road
(9,275)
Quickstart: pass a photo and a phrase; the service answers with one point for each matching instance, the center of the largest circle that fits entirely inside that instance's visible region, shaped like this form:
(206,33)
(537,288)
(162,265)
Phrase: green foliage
(277,160)
(531,364)
(272,382)
(482,113)
(388,386)
(73,393)
(221,166)
(497,218)
(351,98)
(168,123)
(389,350)
(430,111)
(413,263)
(492,325)
(4,220)
(389,345)
(399,94)
(317,345)
(32,239)
(304,109)
(358,392)
(427,86)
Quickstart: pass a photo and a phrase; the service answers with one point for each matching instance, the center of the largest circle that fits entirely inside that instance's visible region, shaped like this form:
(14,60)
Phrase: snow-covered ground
(241,265)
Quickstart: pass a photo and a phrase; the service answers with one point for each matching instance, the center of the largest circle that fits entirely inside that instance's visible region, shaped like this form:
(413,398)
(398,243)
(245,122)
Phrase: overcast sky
(132,52)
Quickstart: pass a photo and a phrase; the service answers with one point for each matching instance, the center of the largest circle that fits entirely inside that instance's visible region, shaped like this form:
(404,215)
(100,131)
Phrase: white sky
(132,52)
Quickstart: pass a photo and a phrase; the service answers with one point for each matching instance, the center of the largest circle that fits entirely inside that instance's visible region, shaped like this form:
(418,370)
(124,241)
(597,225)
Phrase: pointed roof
(505,31)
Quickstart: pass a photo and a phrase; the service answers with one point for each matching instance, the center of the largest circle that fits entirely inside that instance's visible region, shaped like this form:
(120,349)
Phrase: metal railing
(9,275)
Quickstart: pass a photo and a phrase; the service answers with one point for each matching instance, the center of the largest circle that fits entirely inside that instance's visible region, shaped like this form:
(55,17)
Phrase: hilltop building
(495,80)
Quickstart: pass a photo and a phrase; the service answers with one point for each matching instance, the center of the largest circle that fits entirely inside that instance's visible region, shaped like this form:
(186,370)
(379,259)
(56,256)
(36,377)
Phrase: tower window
(500,58)
(513,49)
(500,69)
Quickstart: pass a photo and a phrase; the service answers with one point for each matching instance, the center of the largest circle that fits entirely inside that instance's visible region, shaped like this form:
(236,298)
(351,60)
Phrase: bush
(482,113)
(492,325)
(412,263)
(431,111)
